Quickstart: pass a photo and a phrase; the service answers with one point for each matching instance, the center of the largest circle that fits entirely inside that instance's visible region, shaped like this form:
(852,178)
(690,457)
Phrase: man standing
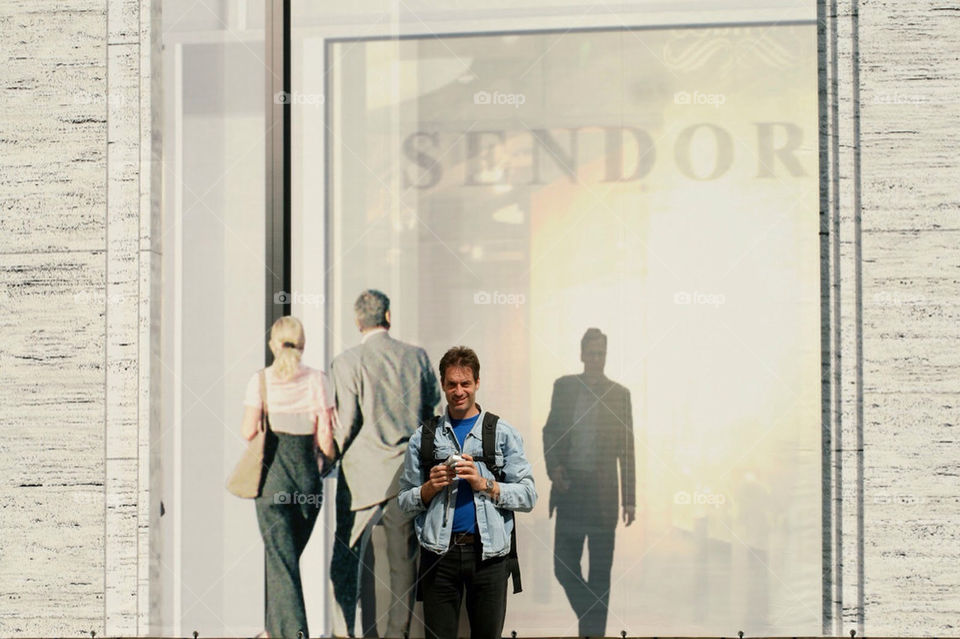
(384,389)
(588,434)
(464,510)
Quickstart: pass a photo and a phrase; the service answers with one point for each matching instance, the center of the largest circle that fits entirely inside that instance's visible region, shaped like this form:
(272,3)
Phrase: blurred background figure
(587,437)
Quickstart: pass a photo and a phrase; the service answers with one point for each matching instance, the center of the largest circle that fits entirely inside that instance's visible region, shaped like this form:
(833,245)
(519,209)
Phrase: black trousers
(287,510)
(588,596)
(461,571)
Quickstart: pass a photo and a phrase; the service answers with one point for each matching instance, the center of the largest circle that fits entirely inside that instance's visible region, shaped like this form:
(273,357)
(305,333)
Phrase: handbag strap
(264,412)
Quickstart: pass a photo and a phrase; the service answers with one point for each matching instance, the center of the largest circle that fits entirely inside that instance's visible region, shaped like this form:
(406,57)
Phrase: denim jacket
(434,522)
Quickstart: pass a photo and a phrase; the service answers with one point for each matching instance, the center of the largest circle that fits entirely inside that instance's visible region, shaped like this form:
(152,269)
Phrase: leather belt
(463,539)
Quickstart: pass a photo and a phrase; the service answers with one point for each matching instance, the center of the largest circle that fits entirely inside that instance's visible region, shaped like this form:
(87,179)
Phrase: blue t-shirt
(465,513)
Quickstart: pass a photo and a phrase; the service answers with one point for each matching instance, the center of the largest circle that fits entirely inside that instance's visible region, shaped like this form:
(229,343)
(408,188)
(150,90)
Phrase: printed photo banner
(510,192)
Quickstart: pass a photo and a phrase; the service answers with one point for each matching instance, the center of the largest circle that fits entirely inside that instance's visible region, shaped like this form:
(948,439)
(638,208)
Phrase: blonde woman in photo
(300,416)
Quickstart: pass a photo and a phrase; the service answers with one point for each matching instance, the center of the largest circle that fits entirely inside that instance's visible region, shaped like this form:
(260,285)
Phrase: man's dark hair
(371,309)
(460,356)
(591,335)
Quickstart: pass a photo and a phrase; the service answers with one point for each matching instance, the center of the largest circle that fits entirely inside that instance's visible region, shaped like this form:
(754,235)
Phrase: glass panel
(213,251)
(511,190)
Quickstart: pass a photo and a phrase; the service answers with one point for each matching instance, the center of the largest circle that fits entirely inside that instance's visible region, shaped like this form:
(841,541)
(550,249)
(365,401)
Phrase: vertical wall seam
(858,293)
(837,422)
(826,504)
(106,298)
(139,300)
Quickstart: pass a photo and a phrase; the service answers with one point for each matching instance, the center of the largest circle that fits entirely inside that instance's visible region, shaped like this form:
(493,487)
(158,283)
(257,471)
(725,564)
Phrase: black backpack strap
(490,459)
(428,444)
(513,561)
(489,438)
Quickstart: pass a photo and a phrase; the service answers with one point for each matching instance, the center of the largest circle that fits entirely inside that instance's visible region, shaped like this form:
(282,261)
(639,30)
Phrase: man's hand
(560,479)
(468,471)
(441,476)
(629,514)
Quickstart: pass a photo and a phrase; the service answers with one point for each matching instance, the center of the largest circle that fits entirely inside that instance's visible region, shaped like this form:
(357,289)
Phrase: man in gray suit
(384,390)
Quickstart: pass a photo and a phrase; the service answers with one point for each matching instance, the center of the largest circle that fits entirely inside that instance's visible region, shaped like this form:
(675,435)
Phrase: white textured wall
(79,314)
(79,245)
(910,132)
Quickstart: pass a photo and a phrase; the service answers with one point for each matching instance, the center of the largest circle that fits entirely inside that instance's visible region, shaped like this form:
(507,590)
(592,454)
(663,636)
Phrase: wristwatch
(489,487)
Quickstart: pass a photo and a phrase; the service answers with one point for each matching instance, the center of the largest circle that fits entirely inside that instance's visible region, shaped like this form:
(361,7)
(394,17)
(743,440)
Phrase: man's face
(460,387)
(594,357)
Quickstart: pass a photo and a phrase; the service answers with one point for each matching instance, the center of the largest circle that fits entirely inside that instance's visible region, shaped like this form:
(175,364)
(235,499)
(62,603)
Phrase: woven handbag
(244,481)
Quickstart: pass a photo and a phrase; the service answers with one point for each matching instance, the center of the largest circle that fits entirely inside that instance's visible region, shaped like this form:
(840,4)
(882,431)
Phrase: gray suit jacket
(384,390)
